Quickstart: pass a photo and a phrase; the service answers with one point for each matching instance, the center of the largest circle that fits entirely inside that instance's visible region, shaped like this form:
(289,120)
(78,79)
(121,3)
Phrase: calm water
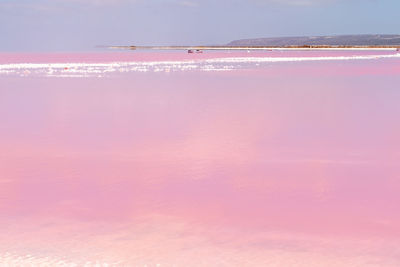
(232,159)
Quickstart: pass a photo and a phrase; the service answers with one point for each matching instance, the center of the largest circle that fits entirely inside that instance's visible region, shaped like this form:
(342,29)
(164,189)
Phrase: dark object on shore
(197,51)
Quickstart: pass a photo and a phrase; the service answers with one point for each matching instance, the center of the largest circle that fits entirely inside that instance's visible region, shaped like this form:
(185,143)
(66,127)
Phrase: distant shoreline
(270,48)
(334,40)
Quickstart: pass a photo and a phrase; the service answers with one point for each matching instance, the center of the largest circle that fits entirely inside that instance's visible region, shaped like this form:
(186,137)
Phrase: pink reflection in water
(129,56)
(293,163)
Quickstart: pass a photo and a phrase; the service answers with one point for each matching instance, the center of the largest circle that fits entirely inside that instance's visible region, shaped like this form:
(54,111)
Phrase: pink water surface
(129,55)
(290,164)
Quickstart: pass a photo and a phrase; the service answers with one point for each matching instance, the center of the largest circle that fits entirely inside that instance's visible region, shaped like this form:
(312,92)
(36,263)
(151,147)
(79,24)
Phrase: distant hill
(365,39)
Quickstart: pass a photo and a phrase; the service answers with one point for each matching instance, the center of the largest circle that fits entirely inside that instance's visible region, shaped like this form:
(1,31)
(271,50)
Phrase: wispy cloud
(187,3)
(295,2)
(43,5)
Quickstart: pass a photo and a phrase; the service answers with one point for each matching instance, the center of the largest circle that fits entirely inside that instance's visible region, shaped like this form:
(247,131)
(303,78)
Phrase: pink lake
(218,159)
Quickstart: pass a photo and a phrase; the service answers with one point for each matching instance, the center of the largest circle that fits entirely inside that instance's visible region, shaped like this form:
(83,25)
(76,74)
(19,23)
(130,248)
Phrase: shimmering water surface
(218,159)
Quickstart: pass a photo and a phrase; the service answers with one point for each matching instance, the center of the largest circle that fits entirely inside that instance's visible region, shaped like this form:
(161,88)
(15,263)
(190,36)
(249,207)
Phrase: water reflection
(289,163)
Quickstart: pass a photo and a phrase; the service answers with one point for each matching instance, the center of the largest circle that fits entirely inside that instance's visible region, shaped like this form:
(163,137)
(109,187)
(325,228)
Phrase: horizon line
(271,48)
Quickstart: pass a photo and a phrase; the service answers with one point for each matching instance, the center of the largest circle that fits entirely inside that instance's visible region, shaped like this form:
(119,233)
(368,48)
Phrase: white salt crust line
(15,260)
(79,69)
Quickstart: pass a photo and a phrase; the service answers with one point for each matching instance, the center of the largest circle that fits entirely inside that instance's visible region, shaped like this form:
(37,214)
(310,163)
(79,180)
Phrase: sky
(81,25)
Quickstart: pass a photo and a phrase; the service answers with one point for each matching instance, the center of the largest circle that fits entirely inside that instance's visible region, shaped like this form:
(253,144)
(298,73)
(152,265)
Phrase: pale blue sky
(73,25)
